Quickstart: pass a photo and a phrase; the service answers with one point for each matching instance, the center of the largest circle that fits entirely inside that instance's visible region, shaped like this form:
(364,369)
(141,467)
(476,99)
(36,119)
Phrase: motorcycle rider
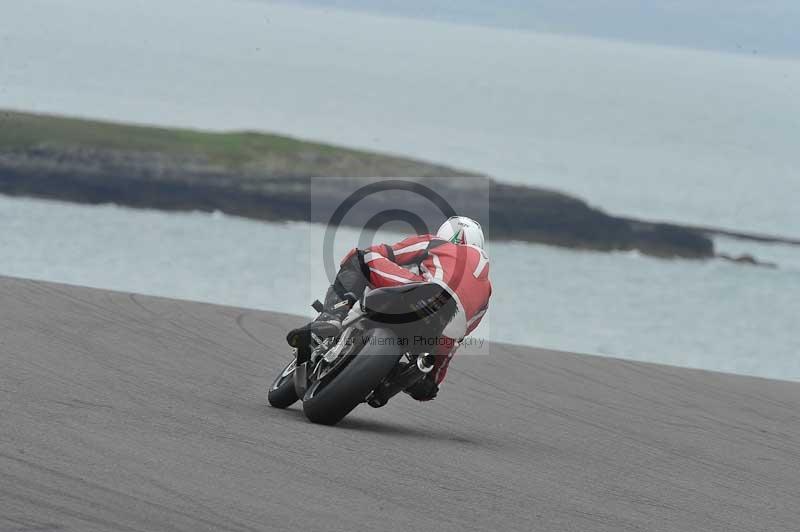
(453,258)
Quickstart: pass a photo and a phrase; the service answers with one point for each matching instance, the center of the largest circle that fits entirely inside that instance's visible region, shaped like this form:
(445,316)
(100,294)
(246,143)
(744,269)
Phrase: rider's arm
(408,251)
(384,272)
(411,250)
(385,261)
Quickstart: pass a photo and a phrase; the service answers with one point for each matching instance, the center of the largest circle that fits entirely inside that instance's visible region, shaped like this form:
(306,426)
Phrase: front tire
(327,403)
(282,393)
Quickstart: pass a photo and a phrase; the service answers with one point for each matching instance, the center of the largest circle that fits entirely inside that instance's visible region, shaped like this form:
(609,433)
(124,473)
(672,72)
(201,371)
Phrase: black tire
(327,403)
(281,393)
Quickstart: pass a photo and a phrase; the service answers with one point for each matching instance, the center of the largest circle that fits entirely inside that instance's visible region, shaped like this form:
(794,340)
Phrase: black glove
(425,390)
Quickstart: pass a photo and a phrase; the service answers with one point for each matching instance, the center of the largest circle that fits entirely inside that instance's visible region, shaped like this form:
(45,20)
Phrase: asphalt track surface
(131,413)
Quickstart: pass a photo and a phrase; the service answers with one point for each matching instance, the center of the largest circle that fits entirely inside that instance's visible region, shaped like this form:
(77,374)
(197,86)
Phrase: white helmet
(461,230)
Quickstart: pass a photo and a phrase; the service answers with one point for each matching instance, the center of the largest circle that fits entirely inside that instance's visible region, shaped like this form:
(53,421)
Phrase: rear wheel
(328,401)
(282,393)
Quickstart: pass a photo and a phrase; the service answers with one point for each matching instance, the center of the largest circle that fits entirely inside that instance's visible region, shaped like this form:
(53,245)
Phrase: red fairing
(464,270)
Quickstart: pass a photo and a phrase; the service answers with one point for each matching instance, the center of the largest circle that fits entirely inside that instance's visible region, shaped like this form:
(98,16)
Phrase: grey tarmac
(120,412)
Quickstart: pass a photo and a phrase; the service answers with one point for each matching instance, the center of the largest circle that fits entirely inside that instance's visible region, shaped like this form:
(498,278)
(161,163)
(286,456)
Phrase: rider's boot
(328,323)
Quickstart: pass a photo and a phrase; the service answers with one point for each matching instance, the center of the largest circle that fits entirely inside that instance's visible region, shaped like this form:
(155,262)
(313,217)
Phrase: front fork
(305,359)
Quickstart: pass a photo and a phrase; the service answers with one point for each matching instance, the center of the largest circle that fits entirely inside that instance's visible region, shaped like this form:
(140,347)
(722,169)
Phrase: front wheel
(282,393)
(328,401)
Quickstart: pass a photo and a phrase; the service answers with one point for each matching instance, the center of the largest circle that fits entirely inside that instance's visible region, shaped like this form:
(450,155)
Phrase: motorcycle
(381,351)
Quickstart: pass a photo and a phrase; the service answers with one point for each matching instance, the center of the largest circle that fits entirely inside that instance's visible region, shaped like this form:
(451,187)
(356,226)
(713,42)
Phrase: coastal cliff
(269,177)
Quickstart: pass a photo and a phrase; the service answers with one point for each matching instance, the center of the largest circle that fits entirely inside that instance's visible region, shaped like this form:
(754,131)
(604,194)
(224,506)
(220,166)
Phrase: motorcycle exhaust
(425,362)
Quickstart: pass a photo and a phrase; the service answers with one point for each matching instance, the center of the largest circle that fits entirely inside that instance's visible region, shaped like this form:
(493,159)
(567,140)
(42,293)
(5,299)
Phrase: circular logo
(449,282)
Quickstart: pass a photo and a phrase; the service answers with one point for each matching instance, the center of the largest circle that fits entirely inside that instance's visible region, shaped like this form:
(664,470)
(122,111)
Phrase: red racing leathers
(461,269)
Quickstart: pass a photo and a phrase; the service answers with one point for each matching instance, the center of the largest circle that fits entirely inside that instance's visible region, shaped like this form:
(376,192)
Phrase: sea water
(705,314)
(663,133)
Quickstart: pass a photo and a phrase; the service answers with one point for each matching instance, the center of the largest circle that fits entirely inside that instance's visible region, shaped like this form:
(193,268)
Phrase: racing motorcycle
(381,351)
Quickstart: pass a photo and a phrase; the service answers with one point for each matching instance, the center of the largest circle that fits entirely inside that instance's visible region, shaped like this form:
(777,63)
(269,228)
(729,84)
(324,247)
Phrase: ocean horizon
(652,131)
(710,314)
(643,130)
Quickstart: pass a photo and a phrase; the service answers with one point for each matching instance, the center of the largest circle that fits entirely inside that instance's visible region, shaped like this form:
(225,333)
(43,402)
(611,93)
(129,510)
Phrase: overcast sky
(770,27)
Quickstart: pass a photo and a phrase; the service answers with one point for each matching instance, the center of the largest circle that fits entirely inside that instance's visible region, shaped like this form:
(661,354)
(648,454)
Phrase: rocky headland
(275,178)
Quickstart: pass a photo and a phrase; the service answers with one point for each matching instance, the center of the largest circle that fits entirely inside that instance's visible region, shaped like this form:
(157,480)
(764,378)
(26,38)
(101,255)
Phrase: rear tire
(328,403)
(282,393)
